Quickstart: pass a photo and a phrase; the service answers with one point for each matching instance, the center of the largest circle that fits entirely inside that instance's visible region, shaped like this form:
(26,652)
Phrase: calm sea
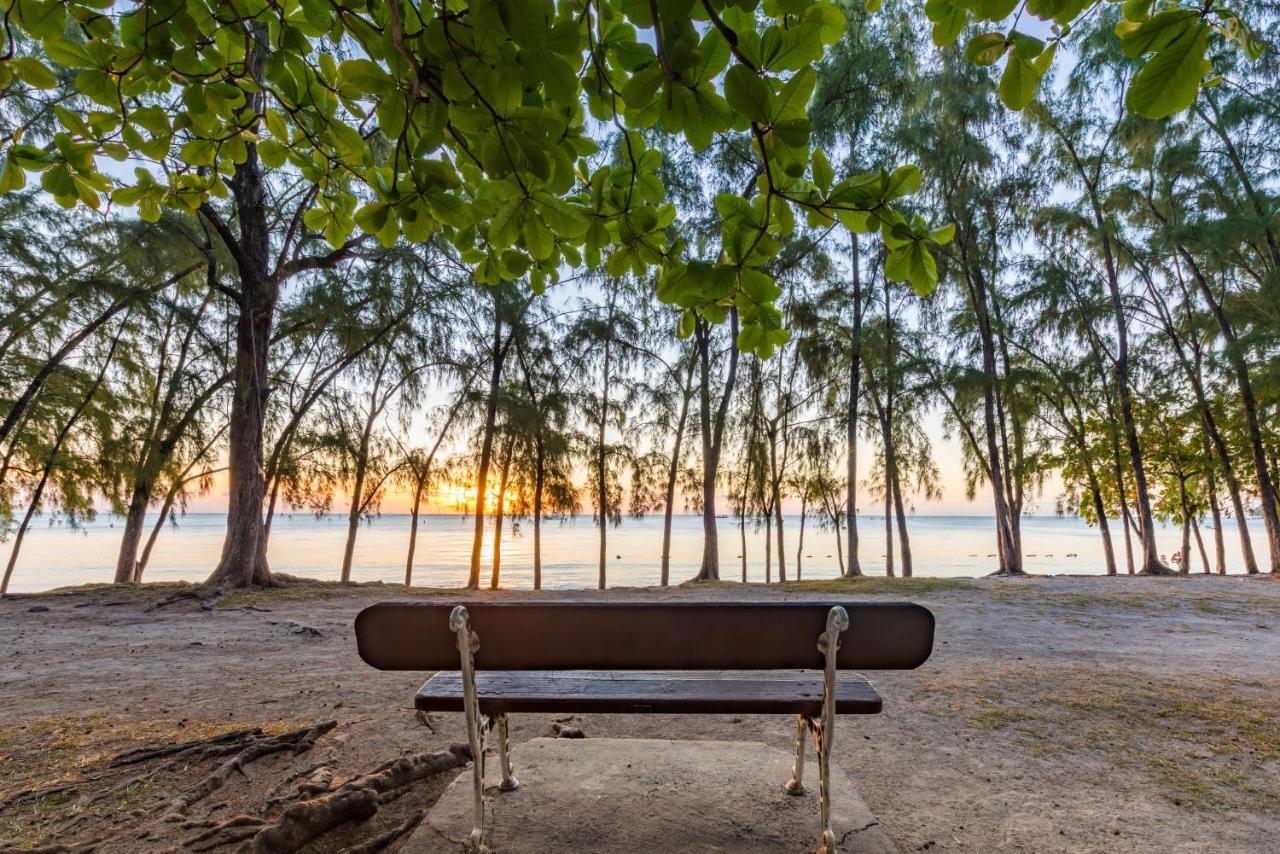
(301,544)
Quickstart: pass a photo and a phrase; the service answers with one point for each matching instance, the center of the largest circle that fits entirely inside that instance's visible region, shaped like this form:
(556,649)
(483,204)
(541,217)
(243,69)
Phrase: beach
(1056,714)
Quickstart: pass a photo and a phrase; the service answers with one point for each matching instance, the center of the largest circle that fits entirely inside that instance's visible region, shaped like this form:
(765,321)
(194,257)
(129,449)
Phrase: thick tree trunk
(135,519)
(243,563)
(712,442)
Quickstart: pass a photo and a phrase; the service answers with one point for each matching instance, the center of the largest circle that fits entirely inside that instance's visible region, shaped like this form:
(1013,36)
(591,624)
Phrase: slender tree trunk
(1204,554)
(903,540)
(539,483)
(486,448)
(1100,511)
(1244,387)
(673,473)
(357,499)
(851,412)
(775,486)
(1150,550)
(602,465)
(1184,565)
(1219,546)
(419,486)
(804,508)
(1010,557)
(37,495)
(712,441)
(768,546)
(500,512)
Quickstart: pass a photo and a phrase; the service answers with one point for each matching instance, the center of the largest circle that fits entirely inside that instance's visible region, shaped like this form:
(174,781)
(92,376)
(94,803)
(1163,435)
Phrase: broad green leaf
(986,49)
(1018,83)
(748,93)
(1169,82)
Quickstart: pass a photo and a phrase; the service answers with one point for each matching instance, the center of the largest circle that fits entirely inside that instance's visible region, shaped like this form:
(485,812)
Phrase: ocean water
(301,544)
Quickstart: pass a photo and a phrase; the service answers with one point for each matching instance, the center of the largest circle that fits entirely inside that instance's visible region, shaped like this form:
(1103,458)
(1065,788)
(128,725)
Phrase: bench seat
(796,692)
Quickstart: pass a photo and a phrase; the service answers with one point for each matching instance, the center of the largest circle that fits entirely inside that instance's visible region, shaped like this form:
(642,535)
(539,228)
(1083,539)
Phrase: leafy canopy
(1170,37)
(475,120)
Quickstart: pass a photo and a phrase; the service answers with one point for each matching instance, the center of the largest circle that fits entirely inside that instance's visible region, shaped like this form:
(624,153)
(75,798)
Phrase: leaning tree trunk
(419,487)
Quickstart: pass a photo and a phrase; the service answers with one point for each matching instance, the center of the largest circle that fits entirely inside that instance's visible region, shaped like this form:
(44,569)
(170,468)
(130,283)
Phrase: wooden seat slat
(640,692)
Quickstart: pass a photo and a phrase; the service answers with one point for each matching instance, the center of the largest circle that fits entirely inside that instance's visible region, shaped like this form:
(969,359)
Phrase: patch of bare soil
(1061,714)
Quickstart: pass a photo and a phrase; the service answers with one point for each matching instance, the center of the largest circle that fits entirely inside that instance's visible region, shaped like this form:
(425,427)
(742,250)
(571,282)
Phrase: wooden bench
(707,658)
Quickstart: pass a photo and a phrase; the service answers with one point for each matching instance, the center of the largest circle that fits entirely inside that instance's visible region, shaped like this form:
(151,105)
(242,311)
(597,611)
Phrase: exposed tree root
(355,800)
(382,840)
(204,746)
(298,741)
(207,596)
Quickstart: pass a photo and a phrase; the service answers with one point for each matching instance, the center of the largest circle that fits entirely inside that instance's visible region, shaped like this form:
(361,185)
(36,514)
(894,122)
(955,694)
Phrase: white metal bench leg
(795,786)
(468,643)
(825,729)
(509,782)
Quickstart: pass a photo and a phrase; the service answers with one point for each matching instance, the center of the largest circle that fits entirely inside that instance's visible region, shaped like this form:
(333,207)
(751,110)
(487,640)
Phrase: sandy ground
(1064,714)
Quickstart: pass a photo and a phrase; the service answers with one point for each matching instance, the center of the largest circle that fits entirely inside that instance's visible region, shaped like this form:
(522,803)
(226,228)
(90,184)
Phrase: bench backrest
(640,636)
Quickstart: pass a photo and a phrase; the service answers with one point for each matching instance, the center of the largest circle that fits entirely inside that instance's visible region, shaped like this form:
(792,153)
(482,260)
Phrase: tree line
(1087,287)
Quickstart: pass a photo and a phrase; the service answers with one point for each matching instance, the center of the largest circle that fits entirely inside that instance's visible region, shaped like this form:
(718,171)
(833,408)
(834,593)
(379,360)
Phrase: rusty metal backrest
(637,636)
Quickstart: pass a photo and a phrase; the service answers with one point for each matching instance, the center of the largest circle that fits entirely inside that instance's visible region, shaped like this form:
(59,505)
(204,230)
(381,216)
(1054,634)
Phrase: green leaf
(33,72)
(365,77)
(823,174)
(1157,33)
(986,49)
(1170,81)
(1018,83)
(748,93)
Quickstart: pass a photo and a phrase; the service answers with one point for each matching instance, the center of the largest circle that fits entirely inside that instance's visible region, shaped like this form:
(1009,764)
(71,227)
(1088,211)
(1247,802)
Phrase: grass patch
(873,584)
(1210,745)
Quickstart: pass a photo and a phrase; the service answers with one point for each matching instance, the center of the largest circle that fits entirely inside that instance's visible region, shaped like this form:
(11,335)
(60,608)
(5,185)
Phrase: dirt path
(1065,714)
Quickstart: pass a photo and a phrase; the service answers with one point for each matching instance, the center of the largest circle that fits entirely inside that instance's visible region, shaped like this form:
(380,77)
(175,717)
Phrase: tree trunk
(1244,386)
(673,473)
(539,483)
(602,463)
(712,442)
(775,486)
(903,540)
(419,486)
(486,448)
(1100,511)
(804,507)
(500,513)
(242,562)
(33,505)
(851,412)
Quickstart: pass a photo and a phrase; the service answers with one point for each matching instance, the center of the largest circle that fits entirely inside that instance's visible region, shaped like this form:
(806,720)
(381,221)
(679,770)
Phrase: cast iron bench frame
(524,673)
